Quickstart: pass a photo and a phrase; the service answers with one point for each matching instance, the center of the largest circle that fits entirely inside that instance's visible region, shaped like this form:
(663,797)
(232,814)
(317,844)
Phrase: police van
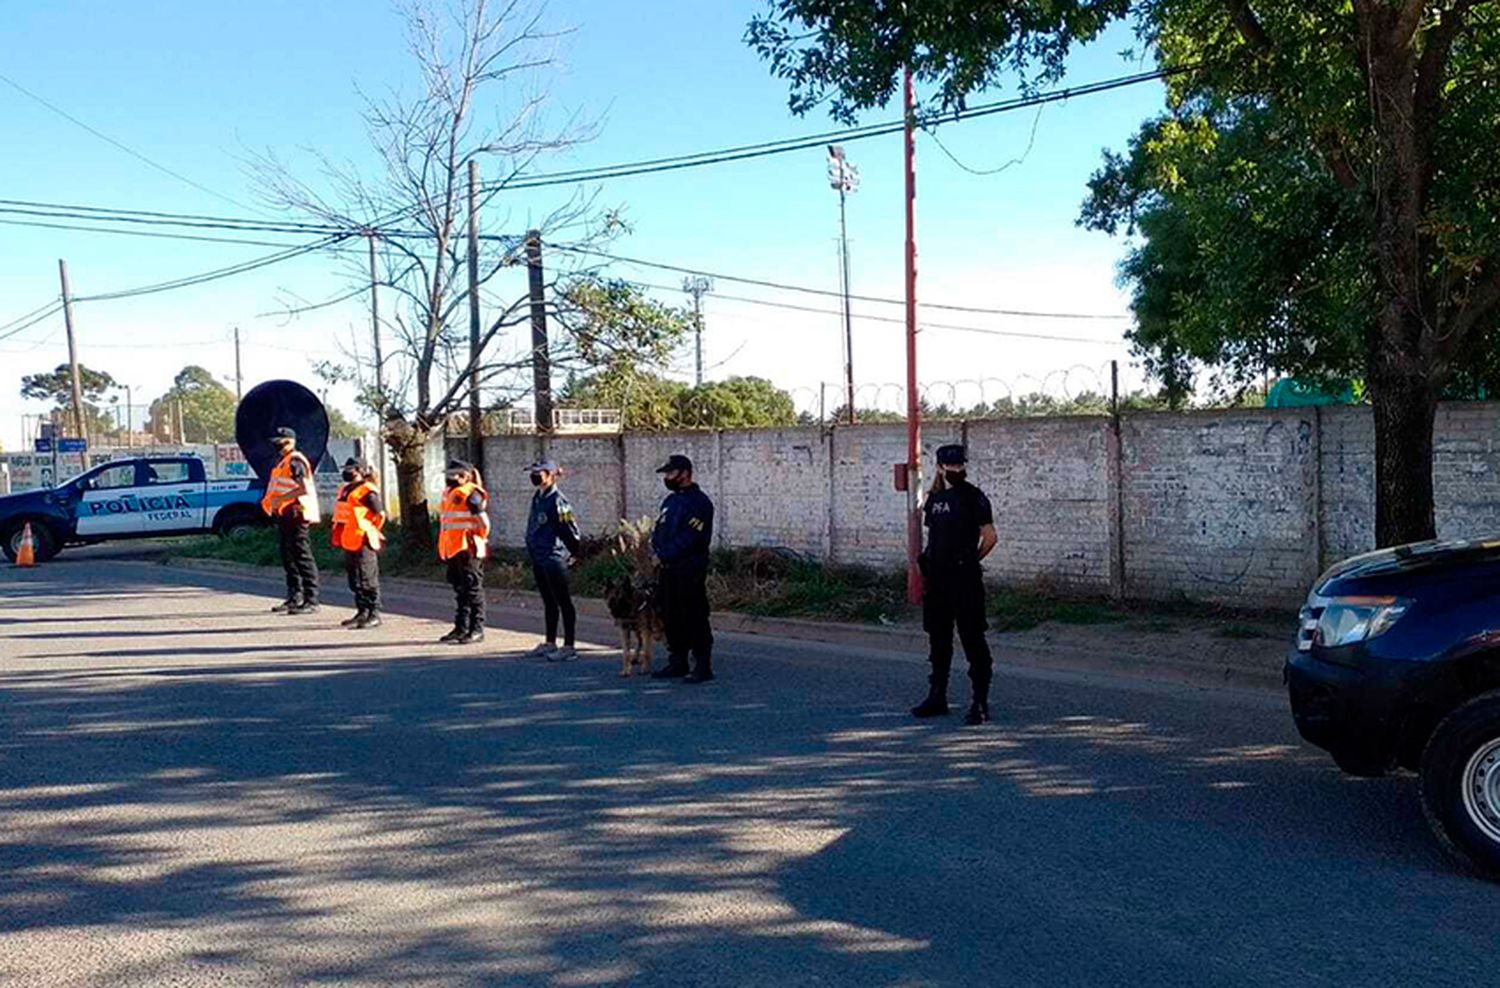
(144,497)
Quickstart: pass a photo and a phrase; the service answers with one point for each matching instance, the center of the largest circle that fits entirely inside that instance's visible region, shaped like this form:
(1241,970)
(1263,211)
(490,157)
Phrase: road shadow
(650,832)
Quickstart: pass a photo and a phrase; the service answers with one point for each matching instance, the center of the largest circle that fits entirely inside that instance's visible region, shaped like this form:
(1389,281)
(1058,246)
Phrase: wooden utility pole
(541,369)
(379,361)
(79,426)
(238,382)
(476,434)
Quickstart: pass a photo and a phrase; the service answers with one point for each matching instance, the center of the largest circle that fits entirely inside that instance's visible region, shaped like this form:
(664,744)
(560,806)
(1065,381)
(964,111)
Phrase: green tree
(1386,104)
(342,427)
(738,403)
(56,386)
(207,409)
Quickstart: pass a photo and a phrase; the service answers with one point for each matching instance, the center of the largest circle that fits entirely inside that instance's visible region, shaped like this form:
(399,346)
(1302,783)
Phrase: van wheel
(1461,784)
(44,543)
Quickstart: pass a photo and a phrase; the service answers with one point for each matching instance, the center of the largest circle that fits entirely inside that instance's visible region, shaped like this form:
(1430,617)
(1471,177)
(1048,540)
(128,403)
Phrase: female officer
(960,532)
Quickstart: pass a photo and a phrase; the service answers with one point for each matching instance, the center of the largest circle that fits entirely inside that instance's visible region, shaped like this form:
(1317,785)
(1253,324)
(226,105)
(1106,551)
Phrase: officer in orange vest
(463,542)
(358,518)
(291,499)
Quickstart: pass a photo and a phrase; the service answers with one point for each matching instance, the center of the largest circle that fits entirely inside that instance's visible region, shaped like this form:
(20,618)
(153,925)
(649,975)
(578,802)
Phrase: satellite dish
(268,407)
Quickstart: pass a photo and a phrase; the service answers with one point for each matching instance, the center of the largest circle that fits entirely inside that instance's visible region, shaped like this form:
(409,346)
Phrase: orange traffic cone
(26,554)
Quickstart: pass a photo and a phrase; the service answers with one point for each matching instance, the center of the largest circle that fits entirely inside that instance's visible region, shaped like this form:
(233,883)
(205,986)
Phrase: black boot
(350,622)
(979,713)
(676,668)
(370,620)
(460,628)
(936,704)
(305,607)
(703,672)
(284,606)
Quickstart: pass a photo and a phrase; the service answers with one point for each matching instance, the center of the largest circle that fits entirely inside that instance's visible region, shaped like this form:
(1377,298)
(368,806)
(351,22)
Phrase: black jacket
(685,528)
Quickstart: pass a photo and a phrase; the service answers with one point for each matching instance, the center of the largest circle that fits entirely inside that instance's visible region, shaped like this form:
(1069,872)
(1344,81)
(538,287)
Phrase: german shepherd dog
(632,598)
(632,603)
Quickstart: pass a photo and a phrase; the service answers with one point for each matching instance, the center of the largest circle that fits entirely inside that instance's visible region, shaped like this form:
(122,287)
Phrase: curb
(894,642)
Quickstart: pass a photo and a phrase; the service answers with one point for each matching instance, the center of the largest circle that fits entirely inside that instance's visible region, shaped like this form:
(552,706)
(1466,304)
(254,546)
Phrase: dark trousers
(466,577)
(551,576)
(363,569)
(297,558)
(684,611)
(954,596)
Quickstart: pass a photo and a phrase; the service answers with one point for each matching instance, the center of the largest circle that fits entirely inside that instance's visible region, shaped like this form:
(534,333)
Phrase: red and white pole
(913,407)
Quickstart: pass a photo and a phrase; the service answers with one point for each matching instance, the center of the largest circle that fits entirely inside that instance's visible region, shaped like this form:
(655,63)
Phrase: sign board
(72,445)
(43,445)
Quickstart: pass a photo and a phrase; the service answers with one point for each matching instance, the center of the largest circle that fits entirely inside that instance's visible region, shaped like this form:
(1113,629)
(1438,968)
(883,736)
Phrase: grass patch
(1241,632)
(1020,610)
(765,582)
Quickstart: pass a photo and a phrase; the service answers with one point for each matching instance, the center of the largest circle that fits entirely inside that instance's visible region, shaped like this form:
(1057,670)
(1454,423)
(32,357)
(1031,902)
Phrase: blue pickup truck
(128,499)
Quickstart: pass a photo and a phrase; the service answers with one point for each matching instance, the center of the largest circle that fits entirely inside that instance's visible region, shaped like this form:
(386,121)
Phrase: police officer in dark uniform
(551,535)
(681,540)
(960,532)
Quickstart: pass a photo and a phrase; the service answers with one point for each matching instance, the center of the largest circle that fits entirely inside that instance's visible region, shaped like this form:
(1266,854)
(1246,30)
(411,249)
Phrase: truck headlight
(1348,620)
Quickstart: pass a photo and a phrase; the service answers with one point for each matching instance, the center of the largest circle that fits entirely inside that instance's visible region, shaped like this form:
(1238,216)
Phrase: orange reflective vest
(460,530)
(280,497)
(354,525)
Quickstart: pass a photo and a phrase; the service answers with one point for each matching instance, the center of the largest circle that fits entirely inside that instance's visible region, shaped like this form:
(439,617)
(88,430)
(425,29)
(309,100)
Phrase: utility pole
(541,370)
(379,362)
(476,436)
(129,419)
(844,176)
(67,299)
(697,286)
(238,391)
(913,407)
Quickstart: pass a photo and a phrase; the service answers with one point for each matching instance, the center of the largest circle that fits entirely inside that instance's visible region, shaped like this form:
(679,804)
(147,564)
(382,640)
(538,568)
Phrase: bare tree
(479,63)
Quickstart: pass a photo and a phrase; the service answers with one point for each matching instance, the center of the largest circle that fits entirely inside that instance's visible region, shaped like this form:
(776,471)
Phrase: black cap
(676,462)
(541,465)
(352,462)
(952,455)
(285,432)
(457,466)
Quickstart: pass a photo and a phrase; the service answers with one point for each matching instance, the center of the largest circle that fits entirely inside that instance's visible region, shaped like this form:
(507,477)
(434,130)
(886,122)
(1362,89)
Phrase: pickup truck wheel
(237,526)
(1461,784)
(44,543)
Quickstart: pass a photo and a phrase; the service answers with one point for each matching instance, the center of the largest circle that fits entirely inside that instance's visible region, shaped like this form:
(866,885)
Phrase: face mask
(957,476)
(672,483)
(452,481)
(350,476)
(536,480)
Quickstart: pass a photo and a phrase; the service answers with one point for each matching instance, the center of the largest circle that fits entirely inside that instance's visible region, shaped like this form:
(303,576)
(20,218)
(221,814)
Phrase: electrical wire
(984,330)
(110,140)
(808,290)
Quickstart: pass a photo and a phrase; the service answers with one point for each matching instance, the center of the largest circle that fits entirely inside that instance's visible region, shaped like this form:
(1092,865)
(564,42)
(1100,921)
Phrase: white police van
(143,497)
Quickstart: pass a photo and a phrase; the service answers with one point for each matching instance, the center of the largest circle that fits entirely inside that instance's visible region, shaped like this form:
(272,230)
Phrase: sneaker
(370,620)
(933,706)
(542,650)
(566,653)
(307,607)
(979,713)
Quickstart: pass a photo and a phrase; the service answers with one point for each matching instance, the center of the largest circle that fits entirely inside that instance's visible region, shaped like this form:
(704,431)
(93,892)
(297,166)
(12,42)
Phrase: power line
(143,233)
(808,290)
(984,330)
(110,140)
(579,175)
(764,149)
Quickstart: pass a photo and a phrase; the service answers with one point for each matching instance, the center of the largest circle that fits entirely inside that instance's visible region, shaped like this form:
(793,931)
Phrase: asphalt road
(196,792)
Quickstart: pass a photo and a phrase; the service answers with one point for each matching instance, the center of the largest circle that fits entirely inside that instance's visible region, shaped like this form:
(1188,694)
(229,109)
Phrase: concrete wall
(1243,507)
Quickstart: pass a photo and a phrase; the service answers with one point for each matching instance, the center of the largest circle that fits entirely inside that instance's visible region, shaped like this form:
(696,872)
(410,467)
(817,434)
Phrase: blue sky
(198,87)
